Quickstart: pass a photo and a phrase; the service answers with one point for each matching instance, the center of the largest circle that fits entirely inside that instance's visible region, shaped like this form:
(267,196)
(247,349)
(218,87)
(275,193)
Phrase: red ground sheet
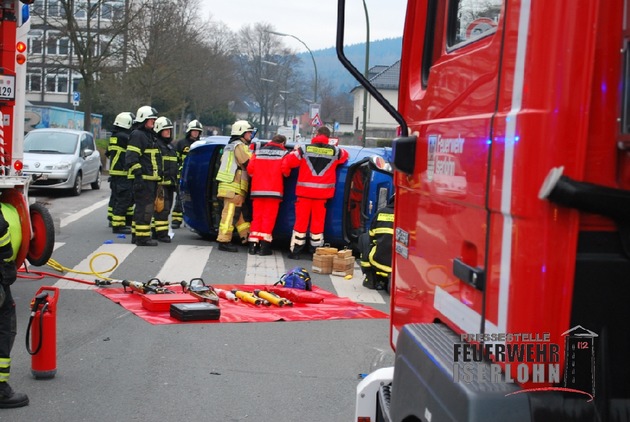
(332,307)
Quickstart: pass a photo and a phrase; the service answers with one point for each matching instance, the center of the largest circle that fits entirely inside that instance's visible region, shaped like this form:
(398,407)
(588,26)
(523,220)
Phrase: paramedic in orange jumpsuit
(268,168)
(317,176)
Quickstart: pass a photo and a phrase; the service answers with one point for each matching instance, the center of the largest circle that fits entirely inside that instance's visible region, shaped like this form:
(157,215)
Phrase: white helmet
(162,123)
(195,125)
(241,126)
(124,120)
(144,113)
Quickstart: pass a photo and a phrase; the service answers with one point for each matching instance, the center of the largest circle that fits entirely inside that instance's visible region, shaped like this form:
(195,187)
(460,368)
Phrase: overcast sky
(314,22)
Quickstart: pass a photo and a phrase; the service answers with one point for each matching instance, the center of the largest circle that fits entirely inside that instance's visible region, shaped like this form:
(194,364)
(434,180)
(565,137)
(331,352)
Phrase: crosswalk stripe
(120,250)
(186,262)
(79,214)
(264,269)
(353,289)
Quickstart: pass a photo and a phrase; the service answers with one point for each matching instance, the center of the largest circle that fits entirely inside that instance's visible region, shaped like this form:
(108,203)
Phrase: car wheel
(96,185)
(41,246)
(78,185)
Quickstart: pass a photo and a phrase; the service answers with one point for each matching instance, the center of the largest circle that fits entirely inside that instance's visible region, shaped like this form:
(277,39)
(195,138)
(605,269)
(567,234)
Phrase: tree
(267,70)
(93,32)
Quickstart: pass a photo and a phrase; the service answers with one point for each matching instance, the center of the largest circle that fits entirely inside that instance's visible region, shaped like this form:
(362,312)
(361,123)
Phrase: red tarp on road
(332,307)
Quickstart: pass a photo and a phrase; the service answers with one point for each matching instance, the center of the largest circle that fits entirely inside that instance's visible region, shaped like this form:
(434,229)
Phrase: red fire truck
(509,300)
(31,225)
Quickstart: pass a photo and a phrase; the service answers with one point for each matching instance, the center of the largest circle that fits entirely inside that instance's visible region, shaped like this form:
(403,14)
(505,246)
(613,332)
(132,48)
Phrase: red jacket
(318,163)
(268,167)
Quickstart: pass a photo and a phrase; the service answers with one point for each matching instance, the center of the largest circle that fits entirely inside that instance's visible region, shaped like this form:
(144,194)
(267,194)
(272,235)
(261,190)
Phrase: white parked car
(62,159)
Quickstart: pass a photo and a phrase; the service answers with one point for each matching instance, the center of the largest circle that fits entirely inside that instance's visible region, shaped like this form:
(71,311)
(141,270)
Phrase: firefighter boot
(145,241)
(254,248)
(9,398)
(121,230)
(265,248)
(369,281)
(295,253)
(227,247)
(176,224)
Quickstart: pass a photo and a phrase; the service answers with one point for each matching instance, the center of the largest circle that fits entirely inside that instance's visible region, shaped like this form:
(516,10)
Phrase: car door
(90,158)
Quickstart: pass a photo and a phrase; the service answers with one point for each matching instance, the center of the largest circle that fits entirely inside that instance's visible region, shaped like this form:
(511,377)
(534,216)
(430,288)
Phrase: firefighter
(376,249)
(268,167)
(234,185)
(8,321)
(318,163)
(193,132)
(145,167)
(166,186)
(120,209)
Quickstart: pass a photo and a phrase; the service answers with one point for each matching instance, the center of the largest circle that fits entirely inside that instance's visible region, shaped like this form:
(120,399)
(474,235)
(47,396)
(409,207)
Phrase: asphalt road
(114,366)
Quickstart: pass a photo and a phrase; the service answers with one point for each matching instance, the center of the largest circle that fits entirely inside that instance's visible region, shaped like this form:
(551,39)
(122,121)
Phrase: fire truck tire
(42,244)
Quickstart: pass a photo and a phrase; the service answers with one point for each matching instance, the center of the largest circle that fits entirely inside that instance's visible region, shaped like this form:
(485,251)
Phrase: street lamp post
(282,34)
(367,70)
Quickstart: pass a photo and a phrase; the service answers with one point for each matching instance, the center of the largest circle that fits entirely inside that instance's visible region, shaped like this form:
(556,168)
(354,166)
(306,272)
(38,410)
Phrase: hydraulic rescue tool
(249,297)
(42,331)
(226,294)
(273,298)
(153,286)
(197,288)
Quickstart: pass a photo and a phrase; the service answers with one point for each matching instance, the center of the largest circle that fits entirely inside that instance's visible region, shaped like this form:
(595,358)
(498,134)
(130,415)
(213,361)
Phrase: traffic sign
(76,98)
(316,122)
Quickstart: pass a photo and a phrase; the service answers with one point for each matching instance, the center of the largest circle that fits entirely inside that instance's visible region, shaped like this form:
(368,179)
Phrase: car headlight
(381,163)
(63,165)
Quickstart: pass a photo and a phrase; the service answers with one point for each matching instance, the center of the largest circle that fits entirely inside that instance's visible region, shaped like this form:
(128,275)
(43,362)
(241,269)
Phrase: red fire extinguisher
(43,336)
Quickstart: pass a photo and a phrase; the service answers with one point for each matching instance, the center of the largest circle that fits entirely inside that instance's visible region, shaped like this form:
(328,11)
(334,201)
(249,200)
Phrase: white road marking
(184,263)
(264,269)
(79,214)
(102,263)
(353,289)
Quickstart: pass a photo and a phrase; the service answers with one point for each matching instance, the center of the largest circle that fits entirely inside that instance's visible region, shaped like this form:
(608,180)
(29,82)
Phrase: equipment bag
(297,278)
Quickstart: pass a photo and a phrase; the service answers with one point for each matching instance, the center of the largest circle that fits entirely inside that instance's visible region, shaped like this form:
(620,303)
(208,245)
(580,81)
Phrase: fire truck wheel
(41,246)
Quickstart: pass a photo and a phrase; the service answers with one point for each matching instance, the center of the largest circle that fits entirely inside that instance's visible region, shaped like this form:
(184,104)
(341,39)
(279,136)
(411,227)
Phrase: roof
(384,77)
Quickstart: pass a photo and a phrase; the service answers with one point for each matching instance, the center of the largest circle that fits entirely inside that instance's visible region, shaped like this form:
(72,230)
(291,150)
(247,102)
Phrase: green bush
(102,143)
(384,143)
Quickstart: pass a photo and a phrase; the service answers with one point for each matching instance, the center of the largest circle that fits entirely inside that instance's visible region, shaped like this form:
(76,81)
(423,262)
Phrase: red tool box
(163,302)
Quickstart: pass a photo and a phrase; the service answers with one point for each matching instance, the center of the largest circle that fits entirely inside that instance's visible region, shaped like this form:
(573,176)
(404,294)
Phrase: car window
(87,142)
(51,142)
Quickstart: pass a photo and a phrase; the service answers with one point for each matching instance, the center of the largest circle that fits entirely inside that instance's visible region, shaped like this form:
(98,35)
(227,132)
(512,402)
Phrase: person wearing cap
(145,168)
(120,208)
(234,185)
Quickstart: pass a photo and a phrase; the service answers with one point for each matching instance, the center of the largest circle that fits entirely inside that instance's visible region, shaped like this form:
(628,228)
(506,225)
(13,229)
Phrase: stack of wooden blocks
(343,263)
(323,260)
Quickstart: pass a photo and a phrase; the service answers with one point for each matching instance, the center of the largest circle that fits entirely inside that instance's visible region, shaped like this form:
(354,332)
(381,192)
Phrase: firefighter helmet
(240,127)
(162,123)
(124,120)
(144,113)
(194,125)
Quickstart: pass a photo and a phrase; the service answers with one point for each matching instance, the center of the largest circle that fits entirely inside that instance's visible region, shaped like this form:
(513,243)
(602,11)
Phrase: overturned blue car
(364,184)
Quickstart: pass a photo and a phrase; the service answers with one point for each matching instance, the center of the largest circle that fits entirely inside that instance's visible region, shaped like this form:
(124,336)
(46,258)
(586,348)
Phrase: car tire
(96,185)
(41,246)
(78,185)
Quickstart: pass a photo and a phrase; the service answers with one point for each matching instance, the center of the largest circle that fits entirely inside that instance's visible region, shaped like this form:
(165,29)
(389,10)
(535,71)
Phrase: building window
(80,10)
(38,8)
(35,42)
(56,45)
(34,82)
(55,9)
(57,83)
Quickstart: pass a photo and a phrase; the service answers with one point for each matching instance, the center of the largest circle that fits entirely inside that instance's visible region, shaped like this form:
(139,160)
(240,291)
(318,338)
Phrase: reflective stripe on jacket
(232,177)
(268,167)
(318,163)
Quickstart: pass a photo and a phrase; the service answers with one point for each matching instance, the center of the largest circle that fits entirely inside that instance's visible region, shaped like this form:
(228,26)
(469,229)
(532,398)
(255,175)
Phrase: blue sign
(76,96)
